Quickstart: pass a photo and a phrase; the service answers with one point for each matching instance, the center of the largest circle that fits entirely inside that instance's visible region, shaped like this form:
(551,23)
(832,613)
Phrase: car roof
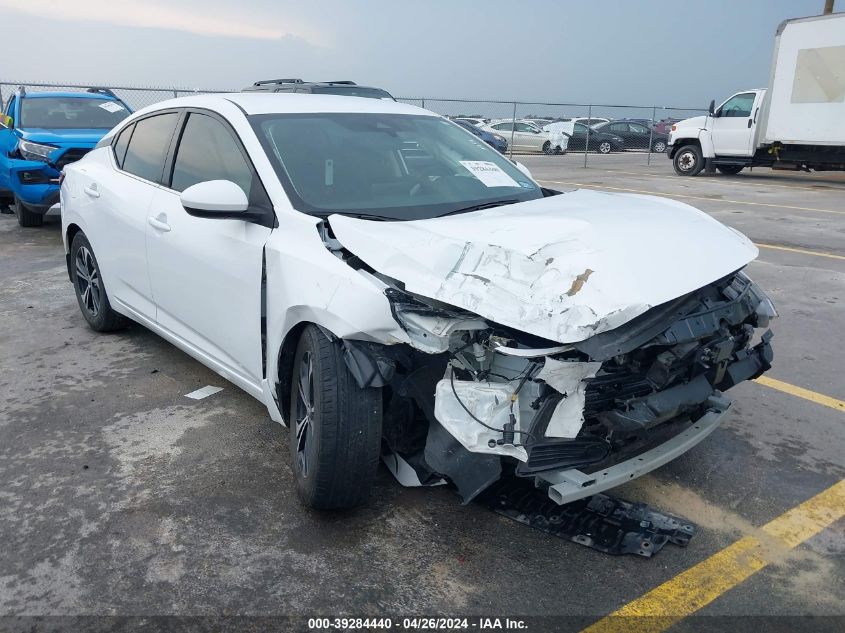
(287,103)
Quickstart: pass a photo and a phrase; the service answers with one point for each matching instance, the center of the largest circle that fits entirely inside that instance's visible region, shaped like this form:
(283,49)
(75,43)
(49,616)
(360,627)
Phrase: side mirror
(216,199)
(712,109)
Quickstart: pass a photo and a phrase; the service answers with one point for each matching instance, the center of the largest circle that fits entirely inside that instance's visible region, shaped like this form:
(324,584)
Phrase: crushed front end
(466,400)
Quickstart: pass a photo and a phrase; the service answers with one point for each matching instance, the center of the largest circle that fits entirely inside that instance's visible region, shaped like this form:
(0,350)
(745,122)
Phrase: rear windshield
(71,113)
(397,167)
(352,91)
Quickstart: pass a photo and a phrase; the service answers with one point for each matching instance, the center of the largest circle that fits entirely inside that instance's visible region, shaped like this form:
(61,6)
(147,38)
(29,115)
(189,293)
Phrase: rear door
(206,273)
(116,194)
(733,125)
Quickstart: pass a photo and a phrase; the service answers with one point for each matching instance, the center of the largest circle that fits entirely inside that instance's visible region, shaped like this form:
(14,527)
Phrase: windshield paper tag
(489,173)
(111,106)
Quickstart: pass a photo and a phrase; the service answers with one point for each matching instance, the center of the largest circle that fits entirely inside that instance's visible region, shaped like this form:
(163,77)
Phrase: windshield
(393,166)
(71,113)
(352,91)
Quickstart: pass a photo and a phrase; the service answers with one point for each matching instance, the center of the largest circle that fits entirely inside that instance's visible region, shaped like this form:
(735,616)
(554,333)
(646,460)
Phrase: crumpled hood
(564,267)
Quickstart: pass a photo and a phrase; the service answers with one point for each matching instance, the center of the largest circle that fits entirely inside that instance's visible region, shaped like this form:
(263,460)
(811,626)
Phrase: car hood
(697,122)
(75,138)
(565,267)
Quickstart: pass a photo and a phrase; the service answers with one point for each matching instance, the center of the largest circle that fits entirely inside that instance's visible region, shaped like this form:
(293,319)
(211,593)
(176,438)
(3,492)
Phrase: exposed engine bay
(467,399)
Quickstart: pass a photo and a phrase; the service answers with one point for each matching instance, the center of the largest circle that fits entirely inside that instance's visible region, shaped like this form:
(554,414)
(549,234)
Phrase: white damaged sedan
(392,288)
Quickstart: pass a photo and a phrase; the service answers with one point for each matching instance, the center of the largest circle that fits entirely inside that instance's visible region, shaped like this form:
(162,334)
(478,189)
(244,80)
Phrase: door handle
(749,123)
(159,223)
(91,190)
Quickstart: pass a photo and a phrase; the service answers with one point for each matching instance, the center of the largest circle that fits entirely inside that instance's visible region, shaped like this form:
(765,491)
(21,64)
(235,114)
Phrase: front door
(733,126)
(206,273)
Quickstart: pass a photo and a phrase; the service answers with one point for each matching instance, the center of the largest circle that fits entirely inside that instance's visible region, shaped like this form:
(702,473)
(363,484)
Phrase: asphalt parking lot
(120,496)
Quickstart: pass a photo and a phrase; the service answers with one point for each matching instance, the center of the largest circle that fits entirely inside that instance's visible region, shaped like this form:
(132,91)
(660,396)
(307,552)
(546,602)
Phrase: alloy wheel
(88,283)
(660,147)
(604,147)
(304,427)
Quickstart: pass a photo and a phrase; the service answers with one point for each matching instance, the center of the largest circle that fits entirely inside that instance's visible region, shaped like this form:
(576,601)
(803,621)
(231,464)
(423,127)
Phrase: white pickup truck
(797,124)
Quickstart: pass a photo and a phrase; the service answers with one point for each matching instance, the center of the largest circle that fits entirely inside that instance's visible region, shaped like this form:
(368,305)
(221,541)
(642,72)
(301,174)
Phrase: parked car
(635,134)
(523,135)
(471,121)
(40,133)
(436,309)
(584,120)
(343,88)
(664,126)
(493,140)
(601,142)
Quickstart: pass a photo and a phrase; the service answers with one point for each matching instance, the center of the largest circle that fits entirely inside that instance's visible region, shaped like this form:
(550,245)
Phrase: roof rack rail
(342,83)
(102,91)
(278,81)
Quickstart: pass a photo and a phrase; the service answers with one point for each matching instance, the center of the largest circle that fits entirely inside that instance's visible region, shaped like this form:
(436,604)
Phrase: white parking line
(206,391)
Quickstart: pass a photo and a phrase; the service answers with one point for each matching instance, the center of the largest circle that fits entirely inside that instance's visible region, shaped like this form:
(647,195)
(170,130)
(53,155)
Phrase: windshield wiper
(479,207)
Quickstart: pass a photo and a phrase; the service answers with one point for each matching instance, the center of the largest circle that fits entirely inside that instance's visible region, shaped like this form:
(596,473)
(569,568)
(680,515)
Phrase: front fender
(306,283)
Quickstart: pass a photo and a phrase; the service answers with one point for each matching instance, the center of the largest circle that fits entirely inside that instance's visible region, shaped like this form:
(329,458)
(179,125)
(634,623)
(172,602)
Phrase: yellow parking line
(698,586)
(803,251)
(678,195)
(812,396)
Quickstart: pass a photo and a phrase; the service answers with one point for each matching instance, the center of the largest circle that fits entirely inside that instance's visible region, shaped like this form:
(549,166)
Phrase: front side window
(738,105)
(71,113)
(208,151)
(148,146)
(398,167)
(503,127)
(524,127)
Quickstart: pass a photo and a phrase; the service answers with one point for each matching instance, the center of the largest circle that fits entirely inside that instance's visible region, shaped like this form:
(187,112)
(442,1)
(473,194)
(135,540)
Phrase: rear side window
(208,151)
(121,143)
(148,146)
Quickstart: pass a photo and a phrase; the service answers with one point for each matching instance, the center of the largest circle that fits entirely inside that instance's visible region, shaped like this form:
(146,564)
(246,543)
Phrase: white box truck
(798,123)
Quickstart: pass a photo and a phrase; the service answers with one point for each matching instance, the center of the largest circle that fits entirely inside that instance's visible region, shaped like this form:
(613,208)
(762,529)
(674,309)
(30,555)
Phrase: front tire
(335,427)
(659,146)
(548,149)
(605,147)
(688,161)
(27,218)
(729,170)
(90,292)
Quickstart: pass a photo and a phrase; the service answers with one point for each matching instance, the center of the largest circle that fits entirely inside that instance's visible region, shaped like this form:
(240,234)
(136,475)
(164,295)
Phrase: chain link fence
(584,131)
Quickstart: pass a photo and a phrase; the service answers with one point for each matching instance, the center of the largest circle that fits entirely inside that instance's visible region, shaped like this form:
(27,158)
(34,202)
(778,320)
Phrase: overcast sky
(663,52)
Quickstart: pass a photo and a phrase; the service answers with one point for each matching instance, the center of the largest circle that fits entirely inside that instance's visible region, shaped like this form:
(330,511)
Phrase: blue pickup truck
(40,133)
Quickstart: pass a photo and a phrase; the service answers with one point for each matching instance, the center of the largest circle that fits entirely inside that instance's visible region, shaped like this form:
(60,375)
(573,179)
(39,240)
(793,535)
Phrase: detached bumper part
(570,485)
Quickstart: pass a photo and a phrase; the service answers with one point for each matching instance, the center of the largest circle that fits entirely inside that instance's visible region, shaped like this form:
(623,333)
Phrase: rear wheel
(688,161)
(730,170)
(26,217)
(90,291)
(605,147)
(335,427)
(547,148)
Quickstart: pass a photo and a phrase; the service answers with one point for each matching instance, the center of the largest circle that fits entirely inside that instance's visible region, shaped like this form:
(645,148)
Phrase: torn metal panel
(516,265)
(567,378)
